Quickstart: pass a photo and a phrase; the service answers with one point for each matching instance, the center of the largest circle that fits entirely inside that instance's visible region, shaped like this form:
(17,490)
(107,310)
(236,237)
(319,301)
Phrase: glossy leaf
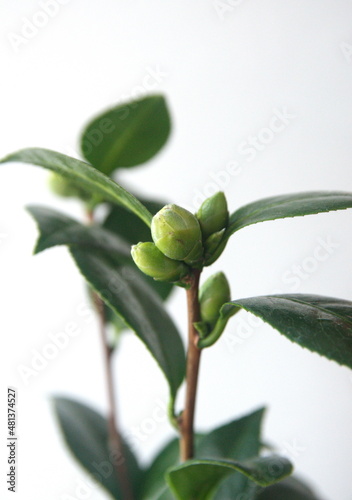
(154,485)
(56,228)
(321,324)
(127,293)
(164,495)
(288,489)
(238,440)
(198,479)
(127,135)
(281,207)
(83,174)
(124,223)
(85,432)
(290,205)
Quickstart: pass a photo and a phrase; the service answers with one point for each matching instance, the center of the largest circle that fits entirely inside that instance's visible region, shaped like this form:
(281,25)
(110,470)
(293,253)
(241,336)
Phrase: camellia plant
(128,287)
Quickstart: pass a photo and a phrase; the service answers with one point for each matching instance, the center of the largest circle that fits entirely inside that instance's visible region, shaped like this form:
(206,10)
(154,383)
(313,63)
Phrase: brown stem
(90,216)
(115,440)
(193,360)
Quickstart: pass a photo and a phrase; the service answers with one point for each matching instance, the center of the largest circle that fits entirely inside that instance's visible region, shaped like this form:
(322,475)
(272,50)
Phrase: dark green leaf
(238,440)
(154,484)
(164,495)
(290,205)
(127,135)
(86,434)
(126,225)
(56,228)
(281,207)
(127,293)
(122,222)
(155,487)
(288,489)
(321,324)
(198,479)
(84,175)
(117,323)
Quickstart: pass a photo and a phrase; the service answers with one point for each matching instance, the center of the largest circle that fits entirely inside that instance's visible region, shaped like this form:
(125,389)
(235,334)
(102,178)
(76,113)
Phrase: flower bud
(213,214)
(211,244)
(176,232)
(64,187)
(154,263)
(212,295)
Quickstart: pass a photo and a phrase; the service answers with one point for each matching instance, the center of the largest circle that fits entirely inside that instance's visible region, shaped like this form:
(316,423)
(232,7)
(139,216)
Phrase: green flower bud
(213,214)
(64,187)
(212,295)
(176,232)
(154,263)
(212,243)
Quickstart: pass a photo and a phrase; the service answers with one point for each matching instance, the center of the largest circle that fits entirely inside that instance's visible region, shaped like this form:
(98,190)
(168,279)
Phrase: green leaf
(198,479)
(155,487)
(127,135)
(238,440)
(165,495)
(127,293)
(86,434)
(126,225)
(122,222)
(56,228)
(281,207)
(291,205)
(84,175)
(154,483)
(321,324)
(288,489)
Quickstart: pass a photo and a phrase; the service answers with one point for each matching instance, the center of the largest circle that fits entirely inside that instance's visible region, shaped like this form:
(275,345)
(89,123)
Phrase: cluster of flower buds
(181,240)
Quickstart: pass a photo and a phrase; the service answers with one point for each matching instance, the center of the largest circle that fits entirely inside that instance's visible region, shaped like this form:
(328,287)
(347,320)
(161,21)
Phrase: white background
(225,74)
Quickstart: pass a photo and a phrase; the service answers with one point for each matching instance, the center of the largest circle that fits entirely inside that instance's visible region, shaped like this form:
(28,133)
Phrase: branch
(186,420)
(115,440)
